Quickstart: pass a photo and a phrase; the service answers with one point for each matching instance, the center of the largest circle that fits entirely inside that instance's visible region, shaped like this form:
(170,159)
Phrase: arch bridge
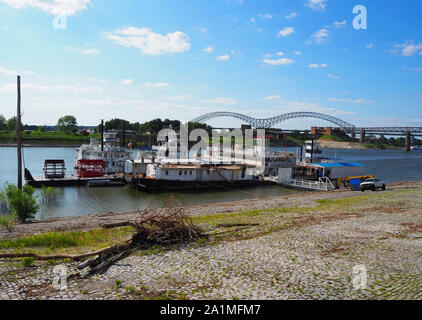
(270,122)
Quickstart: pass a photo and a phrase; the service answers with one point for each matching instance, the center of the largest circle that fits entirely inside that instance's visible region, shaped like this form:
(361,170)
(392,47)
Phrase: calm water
(391,165)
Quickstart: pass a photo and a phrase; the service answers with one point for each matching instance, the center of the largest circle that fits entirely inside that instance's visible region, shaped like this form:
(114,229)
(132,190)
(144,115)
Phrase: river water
(391,165)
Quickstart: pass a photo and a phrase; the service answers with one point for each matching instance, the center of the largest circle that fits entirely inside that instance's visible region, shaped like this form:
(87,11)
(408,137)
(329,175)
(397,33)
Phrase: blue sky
(141,60)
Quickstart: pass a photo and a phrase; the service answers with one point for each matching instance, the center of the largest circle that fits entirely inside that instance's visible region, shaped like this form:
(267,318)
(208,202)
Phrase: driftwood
(169,224)
(76,257)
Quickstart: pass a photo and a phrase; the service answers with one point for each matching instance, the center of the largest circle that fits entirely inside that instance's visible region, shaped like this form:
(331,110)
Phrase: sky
(178,59)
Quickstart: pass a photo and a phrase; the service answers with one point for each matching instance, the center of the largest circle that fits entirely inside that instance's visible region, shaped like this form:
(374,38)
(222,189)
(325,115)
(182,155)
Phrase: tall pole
(19,135)
(124,134)
(102,135)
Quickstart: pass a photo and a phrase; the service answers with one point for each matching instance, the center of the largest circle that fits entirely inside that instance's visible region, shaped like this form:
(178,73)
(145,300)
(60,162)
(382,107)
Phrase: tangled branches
(168,224)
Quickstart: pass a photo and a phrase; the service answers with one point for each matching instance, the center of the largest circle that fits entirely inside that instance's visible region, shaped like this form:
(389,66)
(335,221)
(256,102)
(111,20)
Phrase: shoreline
(95,221)
(304,247)
(5,145)
(352,145)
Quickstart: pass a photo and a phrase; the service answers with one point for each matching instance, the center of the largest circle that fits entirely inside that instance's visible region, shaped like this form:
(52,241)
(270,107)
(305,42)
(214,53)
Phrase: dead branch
(161,226)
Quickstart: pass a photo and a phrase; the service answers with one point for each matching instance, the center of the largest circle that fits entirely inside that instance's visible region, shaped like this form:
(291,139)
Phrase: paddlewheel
(91,168)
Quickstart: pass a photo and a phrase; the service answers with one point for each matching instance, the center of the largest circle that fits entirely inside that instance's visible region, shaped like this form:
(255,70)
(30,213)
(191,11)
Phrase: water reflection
(392,165)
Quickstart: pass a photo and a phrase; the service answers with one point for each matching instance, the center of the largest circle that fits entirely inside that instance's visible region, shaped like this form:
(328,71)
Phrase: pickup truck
(372,184)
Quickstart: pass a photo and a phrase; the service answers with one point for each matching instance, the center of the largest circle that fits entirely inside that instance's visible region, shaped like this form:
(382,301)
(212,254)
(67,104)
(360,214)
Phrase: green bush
(8,221)
(28,262)
(22,203)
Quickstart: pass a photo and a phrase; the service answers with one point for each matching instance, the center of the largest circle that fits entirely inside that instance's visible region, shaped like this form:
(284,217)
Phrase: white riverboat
(114,157)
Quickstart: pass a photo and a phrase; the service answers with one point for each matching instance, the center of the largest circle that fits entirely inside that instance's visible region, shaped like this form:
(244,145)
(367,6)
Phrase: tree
(22,203)
(67,124)
(3,122)
(11,124)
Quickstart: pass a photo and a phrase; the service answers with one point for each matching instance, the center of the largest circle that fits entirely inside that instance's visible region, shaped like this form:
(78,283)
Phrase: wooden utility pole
(19,135)
(102,135)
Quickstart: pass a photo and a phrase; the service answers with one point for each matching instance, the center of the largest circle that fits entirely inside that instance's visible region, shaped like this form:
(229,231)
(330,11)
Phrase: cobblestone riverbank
(331,246)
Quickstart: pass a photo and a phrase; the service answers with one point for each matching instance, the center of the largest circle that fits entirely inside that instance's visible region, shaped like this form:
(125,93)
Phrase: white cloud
(102,81)
(334,76)
(11,87)
(317,5)
(253,20)
(285,32)
(266,16)
(223,57)
(298,53)
(203,30)
(369,45)
(221,100)
(268,55)
(348,100)
(155,85)
(127,81)
(408,49)
(209,49)
(271,98)
(339,25)
(291,15)
(55,7)
(277,62)
(180,97)
(416,69)
(319,37)
(92,51)
(292,106)
(8,72)
(149,42)
(315,65)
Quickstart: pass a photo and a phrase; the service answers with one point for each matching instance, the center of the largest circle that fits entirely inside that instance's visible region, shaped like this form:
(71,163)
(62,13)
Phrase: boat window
(190,172)
(180,173)
(186,173)
(167,172)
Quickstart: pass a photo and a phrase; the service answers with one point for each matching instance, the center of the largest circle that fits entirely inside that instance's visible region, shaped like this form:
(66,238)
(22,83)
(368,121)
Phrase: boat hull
(157,186)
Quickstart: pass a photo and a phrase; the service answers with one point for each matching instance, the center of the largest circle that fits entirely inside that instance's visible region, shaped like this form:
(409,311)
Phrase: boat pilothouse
(114,157)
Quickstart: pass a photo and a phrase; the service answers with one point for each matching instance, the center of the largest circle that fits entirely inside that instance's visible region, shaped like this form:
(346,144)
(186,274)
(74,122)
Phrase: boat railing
(323,184)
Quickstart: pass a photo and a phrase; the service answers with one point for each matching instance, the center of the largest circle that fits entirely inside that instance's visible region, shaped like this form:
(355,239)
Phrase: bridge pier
(362,136)
(408,140)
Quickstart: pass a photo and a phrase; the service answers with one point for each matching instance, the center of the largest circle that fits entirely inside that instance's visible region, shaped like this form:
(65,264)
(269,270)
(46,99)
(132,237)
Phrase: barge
(179,177)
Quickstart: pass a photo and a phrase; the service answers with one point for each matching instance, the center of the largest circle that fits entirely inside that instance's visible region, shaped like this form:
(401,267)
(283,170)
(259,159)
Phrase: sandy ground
(340,145)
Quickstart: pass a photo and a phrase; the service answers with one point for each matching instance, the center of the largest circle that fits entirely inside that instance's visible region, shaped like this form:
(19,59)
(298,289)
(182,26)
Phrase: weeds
(8,221)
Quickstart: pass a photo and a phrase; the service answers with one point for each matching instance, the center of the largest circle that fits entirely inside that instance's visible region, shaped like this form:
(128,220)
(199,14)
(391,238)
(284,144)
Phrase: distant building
(328,130)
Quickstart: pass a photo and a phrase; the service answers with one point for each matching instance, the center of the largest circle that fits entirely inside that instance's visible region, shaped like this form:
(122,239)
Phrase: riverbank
(56,145)
(302,246)
(353,145)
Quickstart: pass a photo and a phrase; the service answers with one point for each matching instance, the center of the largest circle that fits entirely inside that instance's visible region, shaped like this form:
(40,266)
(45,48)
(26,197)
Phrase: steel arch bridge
(270,122)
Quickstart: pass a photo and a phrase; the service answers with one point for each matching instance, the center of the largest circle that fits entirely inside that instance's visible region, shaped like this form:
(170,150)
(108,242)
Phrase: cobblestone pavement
(311,261)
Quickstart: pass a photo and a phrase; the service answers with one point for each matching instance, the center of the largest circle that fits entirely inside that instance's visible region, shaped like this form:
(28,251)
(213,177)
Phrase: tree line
(153,126)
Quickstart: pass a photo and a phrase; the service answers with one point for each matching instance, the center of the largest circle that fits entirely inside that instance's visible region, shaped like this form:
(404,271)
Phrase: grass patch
(332,138)
(56,241)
